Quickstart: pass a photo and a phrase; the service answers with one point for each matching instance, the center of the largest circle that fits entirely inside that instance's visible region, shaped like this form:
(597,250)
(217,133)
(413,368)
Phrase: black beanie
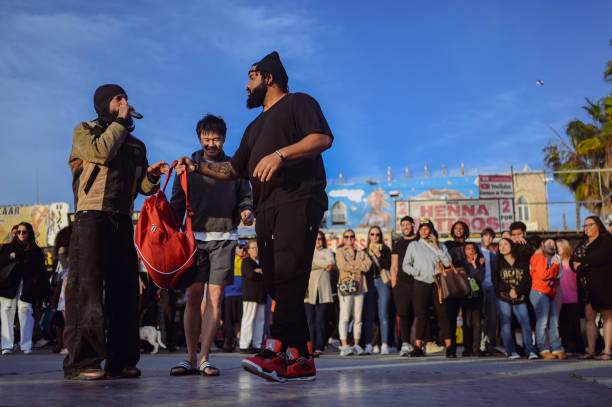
(271,63)
(104,94)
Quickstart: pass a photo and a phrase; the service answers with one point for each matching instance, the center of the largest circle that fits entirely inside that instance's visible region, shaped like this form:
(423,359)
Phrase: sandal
(183,368)
(586,356)
(604,356)
(212,370)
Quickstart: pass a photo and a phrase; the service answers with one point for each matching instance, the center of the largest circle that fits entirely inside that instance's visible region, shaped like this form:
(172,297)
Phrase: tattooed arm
(220,170)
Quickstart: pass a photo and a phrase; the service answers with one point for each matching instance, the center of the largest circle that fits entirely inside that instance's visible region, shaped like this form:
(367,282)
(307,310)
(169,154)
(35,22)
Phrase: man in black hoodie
(280,153)
(109,167)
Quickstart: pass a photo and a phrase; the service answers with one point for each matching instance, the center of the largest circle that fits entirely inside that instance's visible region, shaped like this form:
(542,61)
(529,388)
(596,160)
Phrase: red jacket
(543,276)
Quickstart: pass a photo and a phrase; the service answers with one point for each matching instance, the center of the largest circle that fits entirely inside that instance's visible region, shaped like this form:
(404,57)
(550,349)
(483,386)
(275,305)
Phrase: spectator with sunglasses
(352,266)
(378,295)
(23,286)
(319,298)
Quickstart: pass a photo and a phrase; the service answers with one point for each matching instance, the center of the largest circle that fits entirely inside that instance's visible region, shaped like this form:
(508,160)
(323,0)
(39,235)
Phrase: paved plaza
(37,380)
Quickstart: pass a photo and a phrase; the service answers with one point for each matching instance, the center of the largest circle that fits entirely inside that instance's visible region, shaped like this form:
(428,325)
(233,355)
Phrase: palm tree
(586,146)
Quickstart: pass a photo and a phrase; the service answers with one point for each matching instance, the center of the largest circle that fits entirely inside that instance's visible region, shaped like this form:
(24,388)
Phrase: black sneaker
(417,352)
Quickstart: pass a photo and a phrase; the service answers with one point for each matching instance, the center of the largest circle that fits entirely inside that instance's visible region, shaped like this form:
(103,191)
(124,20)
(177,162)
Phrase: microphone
(135,114)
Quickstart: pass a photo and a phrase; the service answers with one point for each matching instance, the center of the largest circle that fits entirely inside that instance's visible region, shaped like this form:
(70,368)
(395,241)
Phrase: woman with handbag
(512,283)
(319,298)
(378,295)
(474,266)
(352,266)
(23,286)
(425,258)
(595,257)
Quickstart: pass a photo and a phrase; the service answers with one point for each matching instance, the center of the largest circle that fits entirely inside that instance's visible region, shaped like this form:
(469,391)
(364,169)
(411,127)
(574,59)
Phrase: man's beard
(257,96)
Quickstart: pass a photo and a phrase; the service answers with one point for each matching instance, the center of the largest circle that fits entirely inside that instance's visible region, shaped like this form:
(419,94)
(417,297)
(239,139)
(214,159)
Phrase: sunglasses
(349,236)
(374,234)
(22,232)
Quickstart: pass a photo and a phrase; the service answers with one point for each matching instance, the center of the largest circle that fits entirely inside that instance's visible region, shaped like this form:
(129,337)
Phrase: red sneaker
(270,363)
(299,368)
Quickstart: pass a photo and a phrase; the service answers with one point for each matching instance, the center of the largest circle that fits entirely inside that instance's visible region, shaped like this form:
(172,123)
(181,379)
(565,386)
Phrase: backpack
(167,248)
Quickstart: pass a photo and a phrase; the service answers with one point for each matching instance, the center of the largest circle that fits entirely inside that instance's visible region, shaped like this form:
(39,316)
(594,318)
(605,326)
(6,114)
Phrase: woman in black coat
(596,258)
(24,285)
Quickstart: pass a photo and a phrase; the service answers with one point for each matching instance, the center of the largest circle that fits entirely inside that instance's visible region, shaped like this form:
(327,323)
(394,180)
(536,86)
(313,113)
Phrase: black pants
(285,238)
(471,312)
(402,297)
(569,328)
(232,315)
(102,294)
(170,328)
(317,321)
(423,295)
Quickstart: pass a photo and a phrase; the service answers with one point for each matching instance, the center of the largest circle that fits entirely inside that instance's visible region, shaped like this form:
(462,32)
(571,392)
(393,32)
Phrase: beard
(257,96)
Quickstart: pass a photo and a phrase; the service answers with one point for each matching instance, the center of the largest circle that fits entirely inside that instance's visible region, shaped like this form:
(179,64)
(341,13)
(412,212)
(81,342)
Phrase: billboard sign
(479,214)
(495,186)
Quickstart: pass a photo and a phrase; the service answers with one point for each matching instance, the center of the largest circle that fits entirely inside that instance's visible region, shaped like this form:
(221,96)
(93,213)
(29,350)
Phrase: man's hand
(482,260)
(267,167)
(12,256)
(124,109)
(247,217)
(158,168)
(258,271)
(185,164)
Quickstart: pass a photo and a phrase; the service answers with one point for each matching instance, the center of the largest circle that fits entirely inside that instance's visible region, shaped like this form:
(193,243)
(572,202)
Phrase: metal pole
(603,209)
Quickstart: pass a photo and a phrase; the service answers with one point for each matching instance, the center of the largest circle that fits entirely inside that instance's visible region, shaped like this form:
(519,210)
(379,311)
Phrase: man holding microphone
(109,168)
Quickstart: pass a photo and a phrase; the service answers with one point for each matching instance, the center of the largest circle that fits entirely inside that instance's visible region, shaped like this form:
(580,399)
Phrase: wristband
(280,155)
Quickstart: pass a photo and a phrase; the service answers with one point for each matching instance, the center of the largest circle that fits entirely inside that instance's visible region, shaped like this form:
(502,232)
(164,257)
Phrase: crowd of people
(363,301)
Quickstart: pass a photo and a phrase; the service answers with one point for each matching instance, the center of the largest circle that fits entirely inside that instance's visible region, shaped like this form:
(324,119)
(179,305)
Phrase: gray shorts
(214,264)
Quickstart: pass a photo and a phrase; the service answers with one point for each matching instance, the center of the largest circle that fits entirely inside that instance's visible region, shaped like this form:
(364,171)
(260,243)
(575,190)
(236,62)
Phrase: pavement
(373,381)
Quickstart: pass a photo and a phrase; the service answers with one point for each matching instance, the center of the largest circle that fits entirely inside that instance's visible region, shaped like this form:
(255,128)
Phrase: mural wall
(361,205)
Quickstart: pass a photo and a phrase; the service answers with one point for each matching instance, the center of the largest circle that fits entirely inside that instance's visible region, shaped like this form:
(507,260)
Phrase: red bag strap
(188,209)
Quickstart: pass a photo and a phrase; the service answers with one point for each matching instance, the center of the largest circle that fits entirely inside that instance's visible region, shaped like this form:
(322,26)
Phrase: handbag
(348,286)
(452,283)
(385,275)
(7,271)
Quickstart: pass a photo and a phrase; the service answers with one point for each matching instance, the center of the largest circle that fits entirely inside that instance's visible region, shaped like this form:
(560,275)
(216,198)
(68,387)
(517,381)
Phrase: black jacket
(384,261)
(253,288)
(29,268)
(506,276)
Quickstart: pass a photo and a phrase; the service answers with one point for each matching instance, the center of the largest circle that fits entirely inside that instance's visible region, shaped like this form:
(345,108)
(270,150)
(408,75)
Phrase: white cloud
(355,195)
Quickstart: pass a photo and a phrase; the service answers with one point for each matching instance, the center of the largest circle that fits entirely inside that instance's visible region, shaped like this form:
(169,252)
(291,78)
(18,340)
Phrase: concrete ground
(37,380)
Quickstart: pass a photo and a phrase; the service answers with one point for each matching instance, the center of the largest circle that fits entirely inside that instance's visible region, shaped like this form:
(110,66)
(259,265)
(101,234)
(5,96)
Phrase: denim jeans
(505,314)
(8,307)
(489,315)
(546,318)
(378,294)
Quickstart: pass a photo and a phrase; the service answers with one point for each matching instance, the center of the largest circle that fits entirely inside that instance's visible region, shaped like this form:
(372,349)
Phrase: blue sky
(403,84)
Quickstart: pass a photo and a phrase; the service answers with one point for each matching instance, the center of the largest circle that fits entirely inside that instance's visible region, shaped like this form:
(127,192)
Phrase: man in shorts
(218,207)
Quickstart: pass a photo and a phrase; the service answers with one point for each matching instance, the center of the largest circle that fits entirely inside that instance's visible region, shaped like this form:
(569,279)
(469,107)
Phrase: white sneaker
(346,351)
(532,356)
(7,351)
(406,349)
(384,349)
(433,348)
(41,343)
(368,349)
(514,356)
(376,349)
(358,350)
(335,343)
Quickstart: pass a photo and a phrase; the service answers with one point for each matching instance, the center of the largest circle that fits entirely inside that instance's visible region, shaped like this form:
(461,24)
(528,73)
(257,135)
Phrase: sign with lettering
(479,214)
(495,186)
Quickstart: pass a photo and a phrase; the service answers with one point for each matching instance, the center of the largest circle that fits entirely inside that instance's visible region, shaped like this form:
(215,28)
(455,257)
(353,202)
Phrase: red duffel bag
(166,247)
